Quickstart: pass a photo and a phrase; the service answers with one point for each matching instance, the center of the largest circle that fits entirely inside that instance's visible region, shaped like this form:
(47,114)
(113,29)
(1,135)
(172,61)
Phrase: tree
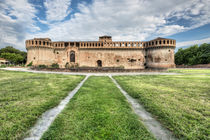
(13,58)
(13,55)
(193,55)
(9,49)
(179,56)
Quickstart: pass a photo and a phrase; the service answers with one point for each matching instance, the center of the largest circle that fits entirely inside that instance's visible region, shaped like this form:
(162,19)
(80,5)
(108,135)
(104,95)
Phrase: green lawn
(25,96)
(180,102)
(193,71)
(97,111)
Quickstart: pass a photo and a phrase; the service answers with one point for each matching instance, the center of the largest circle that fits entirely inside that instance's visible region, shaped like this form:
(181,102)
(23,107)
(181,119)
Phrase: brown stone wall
(129,59)
(62,56)
(40,56)
(162,57)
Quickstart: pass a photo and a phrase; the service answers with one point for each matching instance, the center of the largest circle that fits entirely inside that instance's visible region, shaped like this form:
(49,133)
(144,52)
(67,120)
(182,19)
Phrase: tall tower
(40,51)
(160,53)
(105,38)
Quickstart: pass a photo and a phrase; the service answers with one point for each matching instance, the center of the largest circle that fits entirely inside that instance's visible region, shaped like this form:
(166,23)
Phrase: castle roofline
(105,36)
(158,38)
(48,39)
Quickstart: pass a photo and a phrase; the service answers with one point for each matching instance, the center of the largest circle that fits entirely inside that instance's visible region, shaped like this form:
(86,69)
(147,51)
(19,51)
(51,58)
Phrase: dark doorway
(99,63)
(72,56)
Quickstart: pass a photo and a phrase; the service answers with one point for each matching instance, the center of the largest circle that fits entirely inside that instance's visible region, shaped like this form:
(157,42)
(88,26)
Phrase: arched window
(72,56)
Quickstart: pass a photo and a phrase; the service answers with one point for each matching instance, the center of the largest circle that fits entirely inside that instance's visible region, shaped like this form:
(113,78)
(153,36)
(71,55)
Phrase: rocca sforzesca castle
(157,53)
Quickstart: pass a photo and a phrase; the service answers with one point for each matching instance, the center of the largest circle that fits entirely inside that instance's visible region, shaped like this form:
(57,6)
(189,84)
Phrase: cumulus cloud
(15,21)
(129,20)
(57,9)
(122,19)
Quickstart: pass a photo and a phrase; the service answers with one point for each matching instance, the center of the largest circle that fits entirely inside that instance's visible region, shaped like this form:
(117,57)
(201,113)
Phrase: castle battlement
(104,42)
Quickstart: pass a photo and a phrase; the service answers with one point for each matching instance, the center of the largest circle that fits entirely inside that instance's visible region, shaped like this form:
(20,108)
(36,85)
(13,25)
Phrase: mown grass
(193,71)
(97,111)
(180,102)
(25,96)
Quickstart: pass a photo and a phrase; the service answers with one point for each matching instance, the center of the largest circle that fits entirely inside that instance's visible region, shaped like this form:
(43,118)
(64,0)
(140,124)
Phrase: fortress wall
(40,56)
(61,57)
(129,59)
(162,57)
(31,54)
(159,53)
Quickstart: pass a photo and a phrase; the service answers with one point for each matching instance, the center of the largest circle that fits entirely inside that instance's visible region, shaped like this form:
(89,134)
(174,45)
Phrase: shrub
(3,66)
(121,66)
(22,65)
(30,64)
(42,66)
(55,65)
(67,65)
(76,65)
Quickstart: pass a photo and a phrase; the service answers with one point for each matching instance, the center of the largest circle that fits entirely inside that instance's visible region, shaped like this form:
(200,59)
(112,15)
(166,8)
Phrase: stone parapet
(46,42)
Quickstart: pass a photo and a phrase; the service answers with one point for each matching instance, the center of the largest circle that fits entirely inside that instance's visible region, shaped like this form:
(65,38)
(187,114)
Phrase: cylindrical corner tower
(40,51)
(160,53)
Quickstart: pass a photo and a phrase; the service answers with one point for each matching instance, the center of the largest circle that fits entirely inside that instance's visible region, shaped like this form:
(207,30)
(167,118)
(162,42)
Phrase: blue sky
(187,21)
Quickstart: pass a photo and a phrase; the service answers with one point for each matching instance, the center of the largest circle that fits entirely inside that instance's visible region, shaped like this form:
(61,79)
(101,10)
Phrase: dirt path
(49,116)
(154,127)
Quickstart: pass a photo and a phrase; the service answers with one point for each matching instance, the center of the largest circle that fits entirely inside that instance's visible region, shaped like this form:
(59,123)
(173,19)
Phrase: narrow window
(72,56)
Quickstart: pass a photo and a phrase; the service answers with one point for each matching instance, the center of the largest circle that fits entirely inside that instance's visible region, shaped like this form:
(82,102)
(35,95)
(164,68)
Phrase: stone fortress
(157,53)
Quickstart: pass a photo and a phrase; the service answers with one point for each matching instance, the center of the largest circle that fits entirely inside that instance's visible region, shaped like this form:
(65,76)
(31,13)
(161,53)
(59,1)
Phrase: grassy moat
(100,111)
(180,102)
(25,96)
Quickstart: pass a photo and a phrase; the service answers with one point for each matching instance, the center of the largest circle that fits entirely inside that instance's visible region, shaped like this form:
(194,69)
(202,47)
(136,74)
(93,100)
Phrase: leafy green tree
(193,55)
(204,54)
(179,56)
(9,49)
(13,55)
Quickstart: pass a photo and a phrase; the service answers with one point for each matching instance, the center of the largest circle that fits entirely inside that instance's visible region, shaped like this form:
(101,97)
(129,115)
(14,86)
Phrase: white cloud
(128,19)
(193,42)
(57,9)
(123,19)
(170,29)
(15,21)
